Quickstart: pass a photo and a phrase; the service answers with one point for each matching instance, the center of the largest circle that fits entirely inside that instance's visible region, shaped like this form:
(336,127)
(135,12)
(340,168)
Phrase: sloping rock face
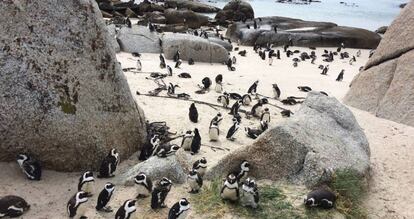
(197,48)
(386,87)
(139,39)
(235,10)
(187,17)
(302,33)
(323,136)
(191,5)
(112,36)
(63,97)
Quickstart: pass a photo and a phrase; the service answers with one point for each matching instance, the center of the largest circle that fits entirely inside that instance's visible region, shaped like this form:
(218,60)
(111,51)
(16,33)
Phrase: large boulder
(386,87)
(235,10)
(190,46)
(191,5)
(322,137)
(225,43)
(187,17)
(302,33)
(63,97)
(139,39)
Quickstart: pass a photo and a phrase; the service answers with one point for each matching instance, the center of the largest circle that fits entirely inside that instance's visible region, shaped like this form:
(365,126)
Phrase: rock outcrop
(187,17)
(113,38)
(235,10)
(139,39)
(197,48)
(191,5)
(63,97)
(386,87)
(323,136)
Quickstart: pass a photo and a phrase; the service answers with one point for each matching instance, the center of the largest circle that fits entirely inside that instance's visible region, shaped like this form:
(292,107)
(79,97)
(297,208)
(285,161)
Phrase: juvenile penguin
(200,166)
(230,189)
(320,198)
(187,139)
(87,183)
(13,206)
(30,166)
(224,100)
(235,108)
(250,193)
(179,210)
(75,202)
(265,115)
(214,131)
(233,130)
(104,197)
(143,185)
(276,91)
(139,65)
(341,75)
(109,164)
(246,100)
(160,192)
(195,181)
(126,210)
(193,113)
(196,142)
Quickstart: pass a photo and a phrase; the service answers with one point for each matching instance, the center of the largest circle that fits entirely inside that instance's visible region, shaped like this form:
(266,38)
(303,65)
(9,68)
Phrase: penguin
(218,118)
(195,181)
(13,206)
(219,83)
(75,202)
(162,61)
(109,164)
(171,89)
(230,189)
(30,166)
(128,22)
(341,75)
(193,113)
(151,27)
(224,100)
(229,64)
(252,133)
(200,166)
(178,63)
(187,139)
(104,197)
(253,89)
(257,109)
(136,54)
(191,61)
(325,70)
(265,115)
(139,65)
(179,210)
(242,171)
(358,54)
(242,53)
(143,185)
(184,75)
(166,150)
(234,60)
(196,142)
(206,83)
(235,96)
(86,183)
(305,88)
(149,147)
(246,100)
(276,91)
(270,56)
(160,192)
(249,193)
(126,210)
(214,131)
(233,130)
(295,64)
(176,56)
(286,113)
(169,71)
(321,197)
(235,108)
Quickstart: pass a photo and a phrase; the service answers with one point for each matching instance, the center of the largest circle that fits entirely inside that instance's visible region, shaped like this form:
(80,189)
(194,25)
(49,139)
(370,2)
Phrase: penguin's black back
(193,113)
(103,199)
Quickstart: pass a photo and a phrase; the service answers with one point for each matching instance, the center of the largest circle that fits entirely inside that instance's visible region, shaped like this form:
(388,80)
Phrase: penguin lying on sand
(179,210)
(233,130)
(30,166)
(13,206)
(126,210)
(166,150)
(214,131)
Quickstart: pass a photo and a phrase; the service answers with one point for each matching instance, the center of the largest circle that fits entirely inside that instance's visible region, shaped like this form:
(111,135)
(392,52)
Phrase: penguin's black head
(82,195)
(184,202)
(175,148)
(88,174)
(109,186)
(192,105)
(140,177)
(309,202)
(231,178)
(265,101)
(203,160)
(22,157)
(131,203)
(196,131)
(245,165)
(165,182)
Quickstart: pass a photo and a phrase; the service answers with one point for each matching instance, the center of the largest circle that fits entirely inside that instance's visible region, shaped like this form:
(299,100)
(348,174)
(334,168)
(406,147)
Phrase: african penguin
(126,210)
(190,61)
(195,181)
(75,202)
(253,89)
(162,61)
(193,113)
(184,75)
(219,83)
(179,210)
(230,189)
(265,115)
(233,130)
(341,75)
(214,131)
(104,197)
(201,166)
(178,63)
(139,65)
(246,100)
(149,147)
(206,83)
(235,108)
(160,192)
(187,139)
(109,164)
(86,183)
(257,109)
(30,166)
(196,142)
(218,118)
(143,185)
(276,91)
(166,150)
(242,171)
(169,70)
(13,206)
(249,193)
(224,100)
(320,198)
(305,88)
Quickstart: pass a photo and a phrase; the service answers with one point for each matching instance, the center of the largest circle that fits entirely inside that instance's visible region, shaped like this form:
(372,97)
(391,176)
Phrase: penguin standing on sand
(235,108)
(234,60)
(109,164)
(224,99)
(179,210)
(214,131)
(193,113)
(178,63)
(320,198)
(176,56)
(253,89)
(30,166)
(196,142)
(218,118)
(75,202)
(195,181)
(246,100)
(325,70)
(139,65)
(341,75)
(206,83)
(187,139)
(265,115)
(169,70)
(104,197)
(200,166)
(162,61)
(229,64)
(230,189)
(149,147)
(249,193)
(160,192)
(143,184)
(219,83)
(233,130)
(126,210)
(276,91)
(86,183)
(13,206)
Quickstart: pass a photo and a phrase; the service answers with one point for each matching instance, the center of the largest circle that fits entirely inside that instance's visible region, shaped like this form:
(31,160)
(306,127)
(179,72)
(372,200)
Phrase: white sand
(391,143)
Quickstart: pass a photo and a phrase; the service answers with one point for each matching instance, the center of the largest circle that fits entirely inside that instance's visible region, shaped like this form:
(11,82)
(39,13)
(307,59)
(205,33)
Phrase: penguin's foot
(107,209)
(141,196)
(163,205)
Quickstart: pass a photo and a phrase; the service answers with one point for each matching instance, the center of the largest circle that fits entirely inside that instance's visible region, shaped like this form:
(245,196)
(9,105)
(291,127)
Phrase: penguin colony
(237,186)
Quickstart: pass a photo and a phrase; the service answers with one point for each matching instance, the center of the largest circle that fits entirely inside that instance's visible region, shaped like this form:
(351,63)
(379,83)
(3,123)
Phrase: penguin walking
(139,65)
(224,99)
(13,206)
(109,164)
(249,193)
(196,142)
(253,89)
(193,113)
(219,83)
(200,166)
(187,139)
(246,100)
(321,197)
(235,108)
(195,181)
(230,189)
(143,184)
(265,115)
(75,204)
(149,147)
(214,131)
(179,210)
(276,91)
(206,83)
(233,130)
(87,183)
(30,166)
(160,192)
(104,197)
(341,75)
(126,210)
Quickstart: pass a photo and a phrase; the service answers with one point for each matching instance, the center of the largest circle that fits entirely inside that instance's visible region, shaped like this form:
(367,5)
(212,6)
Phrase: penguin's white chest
(187,144)
(219,88)
(183,215)
(201,171)
(214,134)
(266,118)
(193,184)
(89,187)
(81,211)
(142,190)
(247,199)
(230,194)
